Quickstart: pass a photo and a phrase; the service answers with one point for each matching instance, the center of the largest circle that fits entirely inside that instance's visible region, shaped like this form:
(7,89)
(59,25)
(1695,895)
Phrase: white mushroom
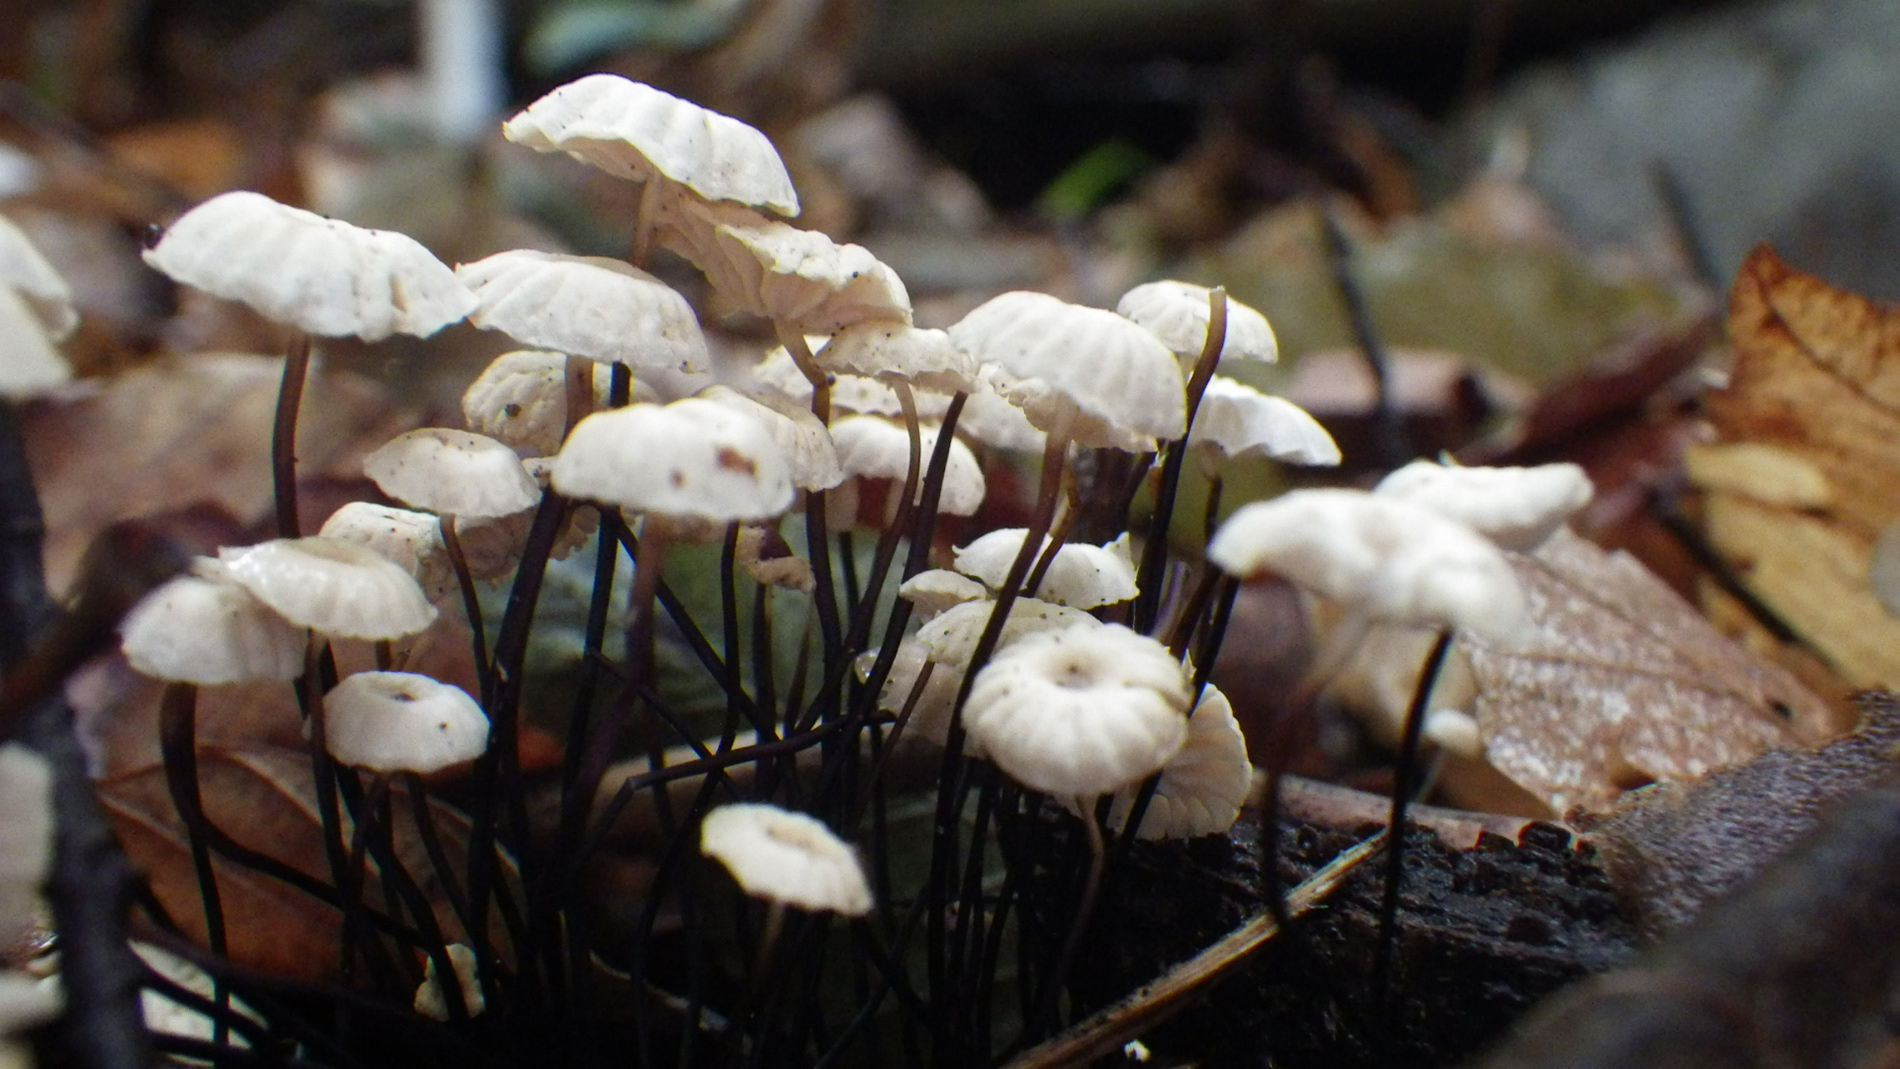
(693,458)
(1518,508)
(873,448)
(204,628)
(786,858)
(1178,313)
(454,472)
(1237,420)
(1081,576)
(804,442)
(332,587)
(585,306)
(402,722)
(432,1000)
(937,590)
(27,273)
(521,398)
(1204,784)
(410,540)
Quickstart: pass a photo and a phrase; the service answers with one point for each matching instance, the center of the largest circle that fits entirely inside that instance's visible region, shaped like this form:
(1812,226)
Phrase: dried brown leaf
(1617,681)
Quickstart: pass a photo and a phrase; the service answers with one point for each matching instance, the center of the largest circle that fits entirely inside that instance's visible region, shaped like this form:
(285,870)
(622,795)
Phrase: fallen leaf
(1617,681)
(1806,471)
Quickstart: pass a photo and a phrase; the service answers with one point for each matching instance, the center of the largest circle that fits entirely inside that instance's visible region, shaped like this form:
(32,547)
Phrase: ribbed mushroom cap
(402,722)
(585,305)
(446,470)
(927,359)
(1110,380)
(204,628)
(1390,559)
(29,364)
(632,130)
(1204,784)
(1081,576)
(950,637)
(322,276)
(1237,420)
(849,393)
(1518,508)
(798,279)
(693,459)
(804,442)
(1177,313)
(520,398)
(410,540)
(993,420)
(870,447)
(27,273)
(785,857)
(331,586)
(1080,712)
(938,590)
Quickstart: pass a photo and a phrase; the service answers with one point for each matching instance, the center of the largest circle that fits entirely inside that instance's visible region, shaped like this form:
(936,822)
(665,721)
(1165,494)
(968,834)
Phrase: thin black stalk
(471,607)
(1388,436)
(733,681)
(825,593)
(966,948)
(1051,984)
(432,846)
(1402,784)
(891,969)
(1154,551)
(848,564)
(284,435)
(178,746)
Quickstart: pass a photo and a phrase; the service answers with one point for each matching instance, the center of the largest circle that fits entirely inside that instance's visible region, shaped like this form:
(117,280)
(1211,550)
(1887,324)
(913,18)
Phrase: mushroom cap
(331,586)
(1080,712)
(410,540)
(785,857)
(1518,508)
(26,839)
(632,130)
(29,364)
(870,447)
(927,359)
(803,440)
(446,470)
(799,279)
(27,273)
(849,393)
(1204,784)
(402,722)
(1390,559)
(585,305)
(994,420)
(520,398)
(1060,361)
(432,999)
(1237,419)
(938,590)
(322,276)
(1177,313)
(694,458)
(204,628)
(1081,576)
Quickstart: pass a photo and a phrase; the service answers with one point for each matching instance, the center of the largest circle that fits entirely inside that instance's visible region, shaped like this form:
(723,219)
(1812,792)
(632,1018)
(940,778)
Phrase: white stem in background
(460,46)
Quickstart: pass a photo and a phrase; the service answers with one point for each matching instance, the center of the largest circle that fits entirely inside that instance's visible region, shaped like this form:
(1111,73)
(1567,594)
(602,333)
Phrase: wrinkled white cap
(874,448)
(632,130)
(1515,507)
(331,586)
(1081,576)
(938,589)
(1080,712)
(446,470)
(1389,559)
(410,540)
(585,305)
(27,273)
(520,398)
(29,364)
(1237,419)
(785,857)
(1177,313)
(402,722)
(692,459)
(927,359)
(322,276)
(1203,785)
(204,628)
(1061,361)
(803,440)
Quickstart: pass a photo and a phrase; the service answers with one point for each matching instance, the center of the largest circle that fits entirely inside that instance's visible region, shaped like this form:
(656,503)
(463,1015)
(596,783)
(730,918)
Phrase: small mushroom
(1179,313)
(693,459)
(1080,576)
(451,472)
(402,722)
(332,587)
(1203,785)
(585,306)
(1518,508)
(786,858)
(1235,419)
(204,628)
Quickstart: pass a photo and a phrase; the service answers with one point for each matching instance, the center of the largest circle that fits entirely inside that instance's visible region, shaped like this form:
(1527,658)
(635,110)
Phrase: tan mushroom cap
(785,857)
(927,359)
(1238,420)
(204,628)
(632,130)
(322,276)
(1177,313)
(408,539)
(693,459)
(446,470)
(803,440)
(1081,576)
(1204,784)
(520,398)
(26,272)
(870,447)
(1110,381)
(402,722)
(1389,559)
(1518,508)
(331,586)
(585,305)
(1080,712)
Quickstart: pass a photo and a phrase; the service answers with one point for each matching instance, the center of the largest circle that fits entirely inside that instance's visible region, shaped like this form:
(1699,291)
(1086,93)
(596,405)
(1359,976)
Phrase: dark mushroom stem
(817,537)
(178,746)
(1154,551)
(284,435)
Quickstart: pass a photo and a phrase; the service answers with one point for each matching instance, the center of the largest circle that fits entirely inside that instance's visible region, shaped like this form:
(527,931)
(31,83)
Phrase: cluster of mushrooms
(844,422)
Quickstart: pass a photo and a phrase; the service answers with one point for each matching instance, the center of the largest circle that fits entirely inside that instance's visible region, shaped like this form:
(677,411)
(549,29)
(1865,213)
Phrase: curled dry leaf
(263,799)
(1806,472)
(1615,682)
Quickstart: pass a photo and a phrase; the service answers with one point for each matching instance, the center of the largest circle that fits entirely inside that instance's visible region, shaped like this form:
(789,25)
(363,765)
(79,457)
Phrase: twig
(1147,1007)
(1388,427)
